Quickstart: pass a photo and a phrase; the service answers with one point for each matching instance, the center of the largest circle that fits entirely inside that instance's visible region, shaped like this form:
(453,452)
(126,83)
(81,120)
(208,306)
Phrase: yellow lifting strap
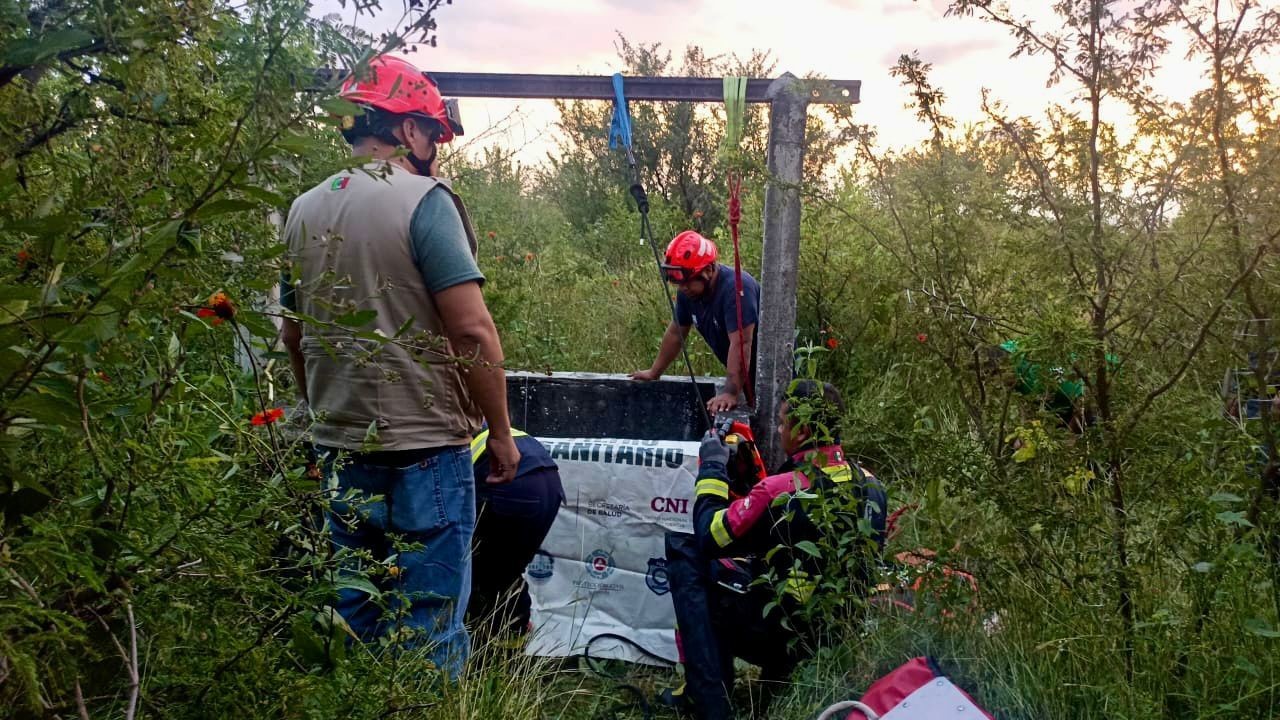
(479,444)
(735,100)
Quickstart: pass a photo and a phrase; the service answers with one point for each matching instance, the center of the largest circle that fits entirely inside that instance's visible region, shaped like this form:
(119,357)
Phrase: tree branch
(1203,335)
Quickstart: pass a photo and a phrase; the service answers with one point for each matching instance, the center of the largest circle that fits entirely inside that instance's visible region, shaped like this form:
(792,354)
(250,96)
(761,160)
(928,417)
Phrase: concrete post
(781,259)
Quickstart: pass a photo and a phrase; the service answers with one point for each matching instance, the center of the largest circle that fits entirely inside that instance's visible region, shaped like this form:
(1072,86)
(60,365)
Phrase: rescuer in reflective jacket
(511,522)
(720,612)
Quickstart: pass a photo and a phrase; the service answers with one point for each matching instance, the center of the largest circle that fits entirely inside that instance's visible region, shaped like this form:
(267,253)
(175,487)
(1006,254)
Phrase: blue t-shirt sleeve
(684,311)
(439,243)
(750,302)
(288,295)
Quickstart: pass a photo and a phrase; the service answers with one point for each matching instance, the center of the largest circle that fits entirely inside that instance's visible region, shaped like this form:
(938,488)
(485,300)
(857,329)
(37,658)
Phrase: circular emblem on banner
(600,564)
(656,578)
(540,567)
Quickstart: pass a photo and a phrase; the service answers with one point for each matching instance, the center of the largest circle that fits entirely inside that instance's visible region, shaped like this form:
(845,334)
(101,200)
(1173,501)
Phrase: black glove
(713,450)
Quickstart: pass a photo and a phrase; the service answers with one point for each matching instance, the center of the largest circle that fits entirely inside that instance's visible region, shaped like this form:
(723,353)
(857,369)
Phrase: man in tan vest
(387,250)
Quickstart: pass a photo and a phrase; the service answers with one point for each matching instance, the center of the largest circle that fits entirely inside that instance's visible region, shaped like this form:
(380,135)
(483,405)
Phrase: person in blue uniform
(512,520)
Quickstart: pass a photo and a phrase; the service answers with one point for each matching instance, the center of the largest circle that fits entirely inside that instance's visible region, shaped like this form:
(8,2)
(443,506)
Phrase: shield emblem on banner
(600,564)
(541,567)
(656,578)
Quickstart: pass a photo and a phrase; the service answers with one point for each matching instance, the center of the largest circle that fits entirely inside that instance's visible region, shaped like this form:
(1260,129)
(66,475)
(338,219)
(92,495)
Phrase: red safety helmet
(394,85)
(687,255)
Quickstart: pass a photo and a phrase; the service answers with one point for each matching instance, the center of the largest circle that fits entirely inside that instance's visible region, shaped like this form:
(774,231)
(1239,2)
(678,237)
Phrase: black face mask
(423,167)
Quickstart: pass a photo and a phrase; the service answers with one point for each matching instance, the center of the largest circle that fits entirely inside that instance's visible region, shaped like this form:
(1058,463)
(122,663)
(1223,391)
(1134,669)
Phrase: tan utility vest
(349,243)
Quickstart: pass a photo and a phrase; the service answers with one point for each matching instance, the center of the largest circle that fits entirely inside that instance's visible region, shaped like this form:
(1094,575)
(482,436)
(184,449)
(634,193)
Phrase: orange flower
(922,338)
(492,234)
(833,343)
(222,306)
(219,308)
(267,417)
(528,257)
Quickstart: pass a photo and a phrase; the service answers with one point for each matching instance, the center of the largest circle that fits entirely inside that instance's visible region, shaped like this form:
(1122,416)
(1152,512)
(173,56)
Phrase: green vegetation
(156,553)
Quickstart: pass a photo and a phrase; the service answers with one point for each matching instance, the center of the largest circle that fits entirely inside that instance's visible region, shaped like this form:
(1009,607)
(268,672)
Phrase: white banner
(602,568)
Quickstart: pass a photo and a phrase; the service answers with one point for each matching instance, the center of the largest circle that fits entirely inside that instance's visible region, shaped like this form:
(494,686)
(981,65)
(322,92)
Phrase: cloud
(959,50)
(843,39)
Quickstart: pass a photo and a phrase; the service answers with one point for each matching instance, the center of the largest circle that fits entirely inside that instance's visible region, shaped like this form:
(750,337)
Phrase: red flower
(267,417)
(24,257)
(922,338)
(528,257)
(219,307)
(833,343)
(492,234)
(209,313)
(104,377)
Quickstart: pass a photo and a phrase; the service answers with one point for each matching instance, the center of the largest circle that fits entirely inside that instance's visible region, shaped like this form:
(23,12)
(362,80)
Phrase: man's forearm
(474,341)
(734,377)
(486,378)
(291,335)
(299,366)
(736,373)
(669,350)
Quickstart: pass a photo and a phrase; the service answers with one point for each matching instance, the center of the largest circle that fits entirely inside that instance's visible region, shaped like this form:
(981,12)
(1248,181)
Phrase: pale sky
(844,39)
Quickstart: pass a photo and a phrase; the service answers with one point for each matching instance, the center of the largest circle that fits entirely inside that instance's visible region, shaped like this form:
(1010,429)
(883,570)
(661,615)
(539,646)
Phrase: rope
(620,132)
(646,233)
(586,651)
(830,713)
(641,701)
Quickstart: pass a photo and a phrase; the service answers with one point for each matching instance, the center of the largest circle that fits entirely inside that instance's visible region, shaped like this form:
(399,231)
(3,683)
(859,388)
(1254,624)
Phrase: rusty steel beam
(600,87)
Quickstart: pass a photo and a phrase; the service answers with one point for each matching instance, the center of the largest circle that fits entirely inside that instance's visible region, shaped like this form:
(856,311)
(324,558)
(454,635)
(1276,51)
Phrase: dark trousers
(716,624)
(512,521)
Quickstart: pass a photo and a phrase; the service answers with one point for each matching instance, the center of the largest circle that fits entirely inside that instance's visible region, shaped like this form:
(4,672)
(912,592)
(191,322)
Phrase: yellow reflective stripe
(839,473)
(720,531)
(480,442)
(712,486)
(478,445)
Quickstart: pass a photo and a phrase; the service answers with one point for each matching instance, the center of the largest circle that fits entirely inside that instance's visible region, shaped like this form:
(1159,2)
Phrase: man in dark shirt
(707,299)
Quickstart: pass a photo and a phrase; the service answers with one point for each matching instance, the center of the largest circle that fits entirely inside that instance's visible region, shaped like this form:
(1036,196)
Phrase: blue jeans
(430,504)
